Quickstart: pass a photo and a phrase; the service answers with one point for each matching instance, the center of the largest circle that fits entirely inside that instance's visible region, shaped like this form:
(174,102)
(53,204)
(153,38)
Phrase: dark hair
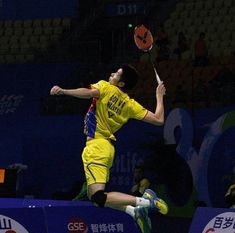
(129,77)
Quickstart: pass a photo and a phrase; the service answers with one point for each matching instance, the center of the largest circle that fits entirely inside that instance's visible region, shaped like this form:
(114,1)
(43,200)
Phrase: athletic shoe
(155,202)
(142,219)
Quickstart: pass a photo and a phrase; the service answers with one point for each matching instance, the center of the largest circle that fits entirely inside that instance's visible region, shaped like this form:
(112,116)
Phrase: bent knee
(99,198)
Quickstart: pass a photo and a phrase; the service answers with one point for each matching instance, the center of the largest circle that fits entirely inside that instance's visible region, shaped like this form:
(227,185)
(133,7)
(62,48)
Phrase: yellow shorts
(97,159)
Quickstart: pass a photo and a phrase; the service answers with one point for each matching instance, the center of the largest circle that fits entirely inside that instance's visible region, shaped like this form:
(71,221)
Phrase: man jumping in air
(111,108)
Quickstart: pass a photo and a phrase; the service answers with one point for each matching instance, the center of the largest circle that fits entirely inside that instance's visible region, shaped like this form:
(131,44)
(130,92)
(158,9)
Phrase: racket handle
(157,76)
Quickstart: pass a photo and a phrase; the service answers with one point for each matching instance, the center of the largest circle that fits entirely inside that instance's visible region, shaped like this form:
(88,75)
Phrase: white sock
(130,210)
(140,201)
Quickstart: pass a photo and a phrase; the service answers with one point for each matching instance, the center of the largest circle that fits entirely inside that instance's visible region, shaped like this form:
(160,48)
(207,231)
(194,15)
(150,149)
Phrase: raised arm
(83,93)
(157,118)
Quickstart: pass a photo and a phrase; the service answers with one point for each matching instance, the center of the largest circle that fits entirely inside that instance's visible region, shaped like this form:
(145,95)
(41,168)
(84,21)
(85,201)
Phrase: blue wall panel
(30,9)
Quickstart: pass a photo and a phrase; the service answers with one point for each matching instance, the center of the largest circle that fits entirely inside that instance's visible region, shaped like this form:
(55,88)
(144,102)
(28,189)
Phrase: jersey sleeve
(101,86)
(137,111)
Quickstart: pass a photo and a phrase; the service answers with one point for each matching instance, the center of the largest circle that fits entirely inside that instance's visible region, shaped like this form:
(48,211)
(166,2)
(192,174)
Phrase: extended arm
(83,93)
(157,118)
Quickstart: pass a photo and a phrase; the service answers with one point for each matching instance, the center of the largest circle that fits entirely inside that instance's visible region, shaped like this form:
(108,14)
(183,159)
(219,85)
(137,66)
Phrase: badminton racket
(144,41)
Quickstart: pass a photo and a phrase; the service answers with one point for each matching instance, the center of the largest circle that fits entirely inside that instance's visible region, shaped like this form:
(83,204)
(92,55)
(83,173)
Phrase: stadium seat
(47,22)
(178,24)
(216,52)
(17,23)
(174,15)
(230,26)
(228,18)
(4,40)
(18,31)
(218,3)
(209,5)
(15,48)
(9,58)
(197,71)
(187,70)
(232,65)
(1,23)
(232,10)
(190,31)
(19,58)
(28,31)
(33,41)
(233,44)
(56,22)
(213,13)
(2,59)
(167,25)
(197,25)
(43,39)
(43,45)
(216,69)
(24,48)
(194,14)
(212,32)
(37,31)
(4,49)
(180,6)
(8,23)
(199,5)
(27,23)
(37,23)
(29,57)
(200,28)
(58,30)
(187,55)
(66,23)
(13,40)
(54,38)
(48,30)
(223,12)
(9,31)
(227,52)
(189,6)
(2,31)
(208,22)
(24,39)
(203,14)
(188,23)
(224,45)
(226,36)
(229,3)
(233,35)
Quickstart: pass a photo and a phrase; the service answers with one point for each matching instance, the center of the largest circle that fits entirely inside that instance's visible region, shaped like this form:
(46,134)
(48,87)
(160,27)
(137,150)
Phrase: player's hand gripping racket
(144,41)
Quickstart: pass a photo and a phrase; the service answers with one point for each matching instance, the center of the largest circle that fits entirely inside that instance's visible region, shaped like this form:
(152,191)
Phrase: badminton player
(111,108)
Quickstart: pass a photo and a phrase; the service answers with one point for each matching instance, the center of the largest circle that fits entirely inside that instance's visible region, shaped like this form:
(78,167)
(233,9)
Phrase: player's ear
(121,84)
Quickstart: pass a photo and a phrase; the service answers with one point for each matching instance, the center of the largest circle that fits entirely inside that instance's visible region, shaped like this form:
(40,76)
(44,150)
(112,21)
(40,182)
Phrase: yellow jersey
(110,111)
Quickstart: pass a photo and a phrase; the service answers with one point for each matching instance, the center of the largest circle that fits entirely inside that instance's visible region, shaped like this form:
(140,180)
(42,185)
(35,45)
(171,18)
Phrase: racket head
(143,38)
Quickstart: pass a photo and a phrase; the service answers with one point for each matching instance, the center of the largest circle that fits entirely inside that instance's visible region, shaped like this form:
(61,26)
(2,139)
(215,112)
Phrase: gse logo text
(77,226)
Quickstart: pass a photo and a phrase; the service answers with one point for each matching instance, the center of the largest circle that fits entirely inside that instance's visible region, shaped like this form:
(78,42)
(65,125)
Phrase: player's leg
(122,202)
(115,200)
(97,158)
